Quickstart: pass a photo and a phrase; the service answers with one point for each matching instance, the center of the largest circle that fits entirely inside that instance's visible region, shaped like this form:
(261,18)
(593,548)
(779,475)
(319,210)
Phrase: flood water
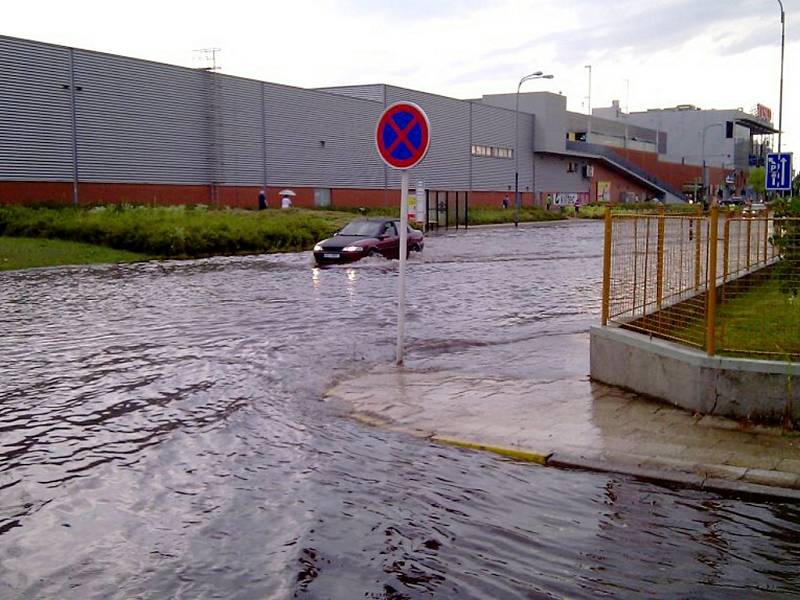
(163,435)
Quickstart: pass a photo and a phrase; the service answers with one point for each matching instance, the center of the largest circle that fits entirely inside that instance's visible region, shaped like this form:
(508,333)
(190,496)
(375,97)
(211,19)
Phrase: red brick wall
(24,192)
(31,192)
(619,184)
(675,174)
(349,198)
(148,194)
(495,199)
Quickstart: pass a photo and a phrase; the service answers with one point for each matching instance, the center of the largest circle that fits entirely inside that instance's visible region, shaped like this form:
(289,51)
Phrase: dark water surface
(162,435)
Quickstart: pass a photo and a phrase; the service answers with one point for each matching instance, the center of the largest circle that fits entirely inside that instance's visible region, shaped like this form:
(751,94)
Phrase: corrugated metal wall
(35,112)
(492,126)
(320,139)
(241,130)
(374,92)
(145,122)
(140,122)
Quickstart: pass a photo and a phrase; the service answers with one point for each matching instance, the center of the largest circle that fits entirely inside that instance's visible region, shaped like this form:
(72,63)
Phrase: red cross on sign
(403,135)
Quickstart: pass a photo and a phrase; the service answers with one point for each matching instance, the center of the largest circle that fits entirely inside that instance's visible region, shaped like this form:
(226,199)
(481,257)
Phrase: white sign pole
(401,293)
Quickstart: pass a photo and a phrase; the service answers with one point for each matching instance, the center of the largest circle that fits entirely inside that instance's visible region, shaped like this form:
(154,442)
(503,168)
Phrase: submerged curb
(665,474)
(724,479)
(520,455)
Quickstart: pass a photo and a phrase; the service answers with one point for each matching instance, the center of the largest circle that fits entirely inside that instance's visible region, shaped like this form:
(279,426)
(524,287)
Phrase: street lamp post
(705,183)
(589,105)
(536,75)
(780,100)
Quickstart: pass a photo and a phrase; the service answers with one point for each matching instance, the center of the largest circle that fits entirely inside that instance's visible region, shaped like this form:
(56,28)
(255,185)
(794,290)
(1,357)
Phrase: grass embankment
(175,232)
(178,232)
(477,215)
(597,211)
(482,215)
(765,319)
(26,253)
(763,322)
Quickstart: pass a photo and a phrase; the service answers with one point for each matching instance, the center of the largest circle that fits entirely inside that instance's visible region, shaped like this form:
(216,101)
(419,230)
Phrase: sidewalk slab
(576,423)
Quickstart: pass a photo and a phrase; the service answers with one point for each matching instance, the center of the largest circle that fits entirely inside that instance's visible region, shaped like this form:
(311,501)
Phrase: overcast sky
(647,54)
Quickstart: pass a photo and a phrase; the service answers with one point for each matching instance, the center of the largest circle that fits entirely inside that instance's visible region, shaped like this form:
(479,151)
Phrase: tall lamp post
(705,129)
(536,75)
(780,100)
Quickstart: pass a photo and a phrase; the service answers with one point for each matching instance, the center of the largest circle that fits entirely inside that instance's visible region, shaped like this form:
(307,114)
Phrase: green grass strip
(26,253)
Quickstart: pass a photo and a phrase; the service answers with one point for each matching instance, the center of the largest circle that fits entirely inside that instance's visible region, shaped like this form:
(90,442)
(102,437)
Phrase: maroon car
(366,237)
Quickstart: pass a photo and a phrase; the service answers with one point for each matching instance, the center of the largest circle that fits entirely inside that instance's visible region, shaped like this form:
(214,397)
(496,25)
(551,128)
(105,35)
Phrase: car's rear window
(369,228)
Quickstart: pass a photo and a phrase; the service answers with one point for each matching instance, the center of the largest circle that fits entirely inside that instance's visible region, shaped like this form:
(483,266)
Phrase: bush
(175,231)
(484,215)
(787,241)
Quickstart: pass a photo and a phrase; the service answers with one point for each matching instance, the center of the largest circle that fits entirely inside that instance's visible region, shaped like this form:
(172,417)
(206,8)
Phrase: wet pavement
(164,434)
(578,424)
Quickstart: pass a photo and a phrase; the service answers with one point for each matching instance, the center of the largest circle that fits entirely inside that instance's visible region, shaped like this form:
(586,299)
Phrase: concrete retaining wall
(762,390)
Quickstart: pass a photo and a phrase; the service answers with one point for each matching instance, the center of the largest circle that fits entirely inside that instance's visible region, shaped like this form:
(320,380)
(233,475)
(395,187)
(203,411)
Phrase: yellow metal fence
(726,282)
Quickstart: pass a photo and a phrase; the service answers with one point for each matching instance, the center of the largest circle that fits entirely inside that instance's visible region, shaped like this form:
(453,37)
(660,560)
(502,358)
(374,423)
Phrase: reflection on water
(162,435)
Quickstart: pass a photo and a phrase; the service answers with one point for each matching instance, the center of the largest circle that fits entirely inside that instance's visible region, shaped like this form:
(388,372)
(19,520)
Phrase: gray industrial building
(727,139)
(87,127)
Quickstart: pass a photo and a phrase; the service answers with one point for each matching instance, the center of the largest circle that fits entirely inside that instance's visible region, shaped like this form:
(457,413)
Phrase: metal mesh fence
(725,282)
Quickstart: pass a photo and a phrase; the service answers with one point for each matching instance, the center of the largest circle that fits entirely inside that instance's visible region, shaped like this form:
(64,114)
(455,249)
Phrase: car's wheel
(373,253)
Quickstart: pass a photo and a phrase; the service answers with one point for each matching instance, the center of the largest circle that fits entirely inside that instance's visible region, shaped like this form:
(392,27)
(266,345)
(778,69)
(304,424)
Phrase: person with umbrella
(286,198)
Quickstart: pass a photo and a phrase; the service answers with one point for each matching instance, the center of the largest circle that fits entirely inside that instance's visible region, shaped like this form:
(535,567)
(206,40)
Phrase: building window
(492,151)
(572,167)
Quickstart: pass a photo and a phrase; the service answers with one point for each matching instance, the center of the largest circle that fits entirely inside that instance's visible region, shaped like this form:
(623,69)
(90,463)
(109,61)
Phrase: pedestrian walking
(286,202)
(505,201)
(262,200)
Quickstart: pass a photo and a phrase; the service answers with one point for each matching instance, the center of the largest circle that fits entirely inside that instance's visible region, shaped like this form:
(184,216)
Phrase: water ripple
(162,435)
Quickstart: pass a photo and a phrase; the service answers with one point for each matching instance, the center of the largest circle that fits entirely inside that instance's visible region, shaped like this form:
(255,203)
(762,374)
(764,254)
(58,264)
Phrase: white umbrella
(286,193)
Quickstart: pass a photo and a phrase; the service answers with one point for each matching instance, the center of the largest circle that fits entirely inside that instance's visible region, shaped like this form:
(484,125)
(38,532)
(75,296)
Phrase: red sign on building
(763,112)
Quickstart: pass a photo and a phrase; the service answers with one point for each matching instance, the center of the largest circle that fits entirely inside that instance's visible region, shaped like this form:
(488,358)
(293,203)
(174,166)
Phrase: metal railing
(726,282)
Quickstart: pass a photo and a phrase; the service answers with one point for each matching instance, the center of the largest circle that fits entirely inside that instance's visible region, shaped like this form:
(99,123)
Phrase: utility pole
(780,100)
(589,103)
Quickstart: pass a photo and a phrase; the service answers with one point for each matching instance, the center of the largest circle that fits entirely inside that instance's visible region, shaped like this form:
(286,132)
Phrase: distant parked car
(366,237)
(732,201)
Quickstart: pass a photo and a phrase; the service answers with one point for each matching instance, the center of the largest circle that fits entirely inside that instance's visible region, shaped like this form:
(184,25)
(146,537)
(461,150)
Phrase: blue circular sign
(403,135)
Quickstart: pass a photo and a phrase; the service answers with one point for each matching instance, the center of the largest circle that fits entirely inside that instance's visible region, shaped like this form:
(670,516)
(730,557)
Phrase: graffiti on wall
(568,198)
(604,191)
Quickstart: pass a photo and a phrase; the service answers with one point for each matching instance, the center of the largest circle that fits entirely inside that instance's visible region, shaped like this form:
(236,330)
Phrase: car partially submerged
(367,237)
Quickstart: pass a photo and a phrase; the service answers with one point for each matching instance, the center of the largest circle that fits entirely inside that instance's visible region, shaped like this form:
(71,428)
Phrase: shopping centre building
(87,127)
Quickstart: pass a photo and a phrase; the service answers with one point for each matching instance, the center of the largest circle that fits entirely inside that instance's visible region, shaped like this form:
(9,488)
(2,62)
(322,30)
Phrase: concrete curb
(520,455)
(700,477)
(685,477)
(720,478)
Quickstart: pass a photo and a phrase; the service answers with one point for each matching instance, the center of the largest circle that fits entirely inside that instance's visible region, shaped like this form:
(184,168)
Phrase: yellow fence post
(711,307)
(749,219)
(660,258)
(698,246)
(606,266)
(726,248)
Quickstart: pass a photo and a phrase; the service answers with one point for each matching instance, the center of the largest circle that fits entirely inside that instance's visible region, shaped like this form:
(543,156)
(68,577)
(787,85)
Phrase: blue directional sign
(779,171)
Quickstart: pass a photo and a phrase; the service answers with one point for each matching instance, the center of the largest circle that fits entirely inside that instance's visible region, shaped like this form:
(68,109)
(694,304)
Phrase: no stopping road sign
(403,135)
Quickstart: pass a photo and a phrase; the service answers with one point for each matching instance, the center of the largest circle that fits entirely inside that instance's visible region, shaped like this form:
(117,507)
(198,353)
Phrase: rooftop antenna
(208,56)
(628,96)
